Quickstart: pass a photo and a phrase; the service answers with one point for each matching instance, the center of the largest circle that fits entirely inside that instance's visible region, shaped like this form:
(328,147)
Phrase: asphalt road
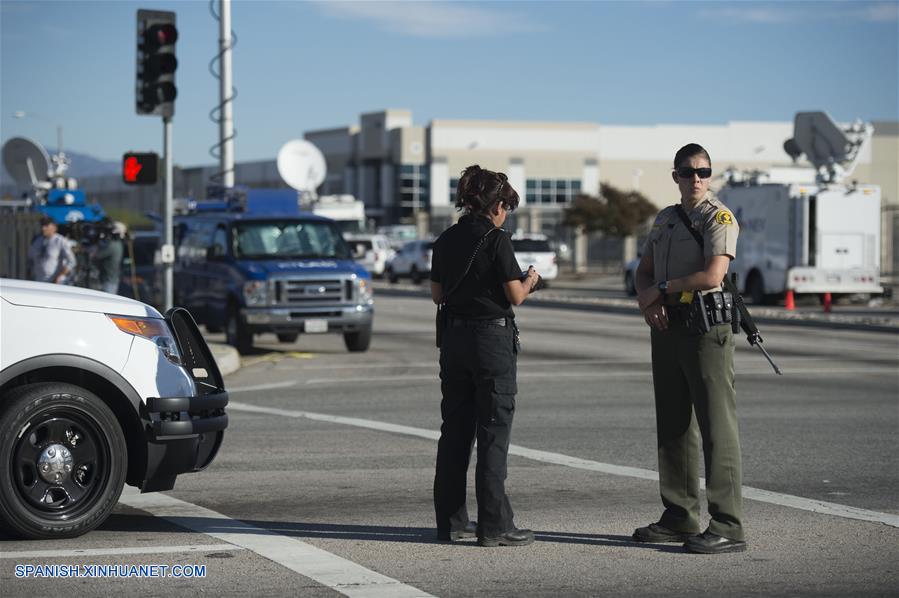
(331,451)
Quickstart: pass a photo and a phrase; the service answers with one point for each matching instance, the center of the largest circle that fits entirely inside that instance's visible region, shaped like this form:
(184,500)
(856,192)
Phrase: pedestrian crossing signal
(140,168)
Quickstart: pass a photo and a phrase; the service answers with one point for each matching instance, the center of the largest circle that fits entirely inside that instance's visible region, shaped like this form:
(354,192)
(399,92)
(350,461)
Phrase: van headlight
(154,330)
(365,289)
(255,292)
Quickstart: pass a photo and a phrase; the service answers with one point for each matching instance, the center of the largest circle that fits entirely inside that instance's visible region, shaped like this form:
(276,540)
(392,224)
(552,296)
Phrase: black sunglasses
(686,172)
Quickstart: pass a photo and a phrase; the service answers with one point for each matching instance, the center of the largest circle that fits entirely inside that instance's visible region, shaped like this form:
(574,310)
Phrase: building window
(412,188)
(550,191)
(453,185)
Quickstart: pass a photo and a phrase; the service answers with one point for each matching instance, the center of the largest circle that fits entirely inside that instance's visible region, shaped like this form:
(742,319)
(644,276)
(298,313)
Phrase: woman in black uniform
(476,277)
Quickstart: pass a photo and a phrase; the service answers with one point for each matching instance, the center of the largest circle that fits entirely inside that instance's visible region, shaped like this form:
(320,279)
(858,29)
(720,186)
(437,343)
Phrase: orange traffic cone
(789,303)
(827,303)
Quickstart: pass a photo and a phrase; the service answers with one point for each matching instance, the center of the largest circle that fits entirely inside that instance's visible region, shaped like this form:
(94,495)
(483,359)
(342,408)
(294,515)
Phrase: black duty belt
(469,323)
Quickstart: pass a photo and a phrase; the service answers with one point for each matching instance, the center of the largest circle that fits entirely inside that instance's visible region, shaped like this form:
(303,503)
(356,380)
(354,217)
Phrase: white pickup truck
(96,391)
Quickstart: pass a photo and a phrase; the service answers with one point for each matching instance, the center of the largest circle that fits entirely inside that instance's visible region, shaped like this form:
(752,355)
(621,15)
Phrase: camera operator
(106,256)
(50,257)
(476,279)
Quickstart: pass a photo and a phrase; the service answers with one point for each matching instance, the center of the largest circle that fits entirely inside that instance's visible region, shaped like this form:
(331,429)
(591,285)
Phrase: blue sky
(309,65)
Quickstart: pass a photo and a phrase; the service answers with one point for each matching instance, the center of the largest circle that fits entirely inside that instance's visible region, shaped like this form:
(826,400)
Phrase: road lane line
(56,554)
(270,386)
(786,500)
(404,378)
(330,570)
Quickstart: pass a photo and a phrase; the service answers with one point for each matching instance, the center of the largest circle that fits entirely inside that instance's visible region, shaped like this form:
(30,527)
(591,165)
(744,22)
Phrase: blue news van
(256,267)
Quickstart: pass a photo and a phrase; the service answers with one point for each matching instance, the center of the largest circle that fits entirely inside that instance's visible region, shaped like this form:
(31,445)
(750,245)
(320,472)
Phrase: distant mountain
(80,166)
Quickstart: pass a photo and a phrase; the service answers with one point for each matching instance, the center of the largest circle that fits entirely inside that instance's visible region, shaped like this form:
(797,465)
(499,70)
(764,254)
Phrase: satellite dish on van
(26,161)
(301,165)
(832,149)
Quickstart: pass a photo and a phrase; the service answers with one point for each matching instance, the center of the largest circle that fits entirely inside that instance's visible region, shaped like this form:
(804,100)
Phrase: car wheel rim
(60,464)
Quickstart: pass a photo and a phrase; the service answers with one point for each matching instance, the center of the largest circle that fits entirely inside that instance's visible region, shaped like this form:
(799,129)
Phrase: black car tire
(288,337)
(50,415)
(357,342)
(415,275)
(236,333)
(391,276)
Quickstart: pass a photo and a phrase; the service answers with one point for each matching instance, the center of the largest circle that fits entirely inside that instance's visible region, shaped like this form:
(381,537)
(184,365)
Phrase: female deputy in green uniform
(692,366)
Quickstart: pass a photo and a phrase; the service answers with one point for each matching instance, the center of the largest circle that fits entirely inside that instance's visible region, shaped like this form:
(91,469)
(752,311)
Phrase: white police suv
(97,390)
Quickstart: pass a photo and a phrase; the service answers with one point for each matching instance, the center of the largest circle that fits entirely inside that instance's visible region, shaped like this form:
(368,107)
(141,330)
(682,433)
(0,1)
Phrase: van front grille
(311,291)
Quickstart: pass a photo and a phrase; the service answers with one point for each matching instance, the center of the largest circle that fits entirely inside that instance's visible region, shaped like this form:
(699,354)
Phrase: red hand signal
(132,167)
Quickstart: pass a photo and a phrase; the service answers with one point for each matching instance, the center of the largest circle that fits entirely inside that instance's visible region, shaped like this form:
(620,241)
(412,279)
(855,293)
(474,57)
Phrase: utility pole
(226,126)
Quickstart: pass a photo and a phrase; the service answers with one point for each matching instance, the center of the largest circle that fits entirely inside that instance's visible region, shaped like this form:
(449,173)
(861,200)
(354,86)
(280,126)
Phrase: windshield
(289,239)
(531,245)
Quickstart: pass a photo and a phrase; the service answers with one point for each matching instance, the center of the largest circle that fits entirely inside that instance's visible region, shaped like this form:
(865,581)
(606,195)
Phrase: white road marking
(647,373)
(270,386)
(330,570)
(55,554)
(786,500)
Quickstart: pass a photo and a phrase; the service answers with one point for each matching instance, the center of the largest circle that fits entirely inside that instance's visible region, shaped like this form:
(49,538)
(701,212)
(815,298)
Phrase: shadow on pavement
(375,533)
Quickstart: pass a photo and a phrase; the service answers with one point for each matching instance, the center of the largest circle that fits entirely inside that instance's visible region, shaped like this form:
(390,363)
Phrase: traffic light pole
(168,250)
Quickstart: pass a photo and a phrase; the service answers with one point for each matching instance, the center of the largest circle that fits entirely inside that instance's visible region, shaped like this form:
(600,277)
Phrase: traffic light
(156,62)
(140,168)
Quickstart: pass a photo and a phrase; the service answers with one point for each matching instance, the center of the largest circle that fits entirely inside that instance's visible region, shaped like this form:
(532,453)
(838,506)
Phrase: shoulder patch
(724,217)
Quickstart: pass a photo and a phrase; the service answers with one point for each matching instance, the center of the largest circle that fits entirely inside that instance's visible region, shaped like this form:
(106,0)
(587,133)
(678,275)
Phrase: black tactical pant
(477,372)
(693,376)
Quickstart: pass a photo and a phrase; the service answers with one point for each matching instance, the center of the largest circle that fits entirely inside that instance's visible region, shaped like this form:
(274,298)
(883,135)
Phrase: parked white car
(97,390)
(372,251)
(413,260)
(534,250)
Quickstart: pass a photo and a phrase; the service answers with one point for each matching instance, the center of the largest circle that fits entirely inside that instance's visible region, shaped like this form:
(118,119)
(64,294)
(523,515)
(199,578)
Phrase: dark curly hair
(480,189)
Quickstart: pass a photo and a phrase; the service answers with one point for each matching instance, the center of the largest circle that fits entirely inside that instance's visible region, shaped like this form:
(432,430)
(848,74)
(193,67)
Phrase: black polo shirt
(480,294)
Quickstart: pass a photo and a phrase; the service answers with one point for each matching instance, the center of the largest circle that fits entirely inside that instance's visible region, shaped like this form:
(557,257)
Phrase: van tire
(629,287)
(236,333)
(357,342)
(755,288)
(415,275)
(391,276)
(55,413)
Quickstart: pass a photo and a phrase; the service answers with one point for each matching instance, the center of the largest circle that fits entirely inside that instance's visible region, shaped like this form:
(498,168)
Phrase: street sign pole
(168,249)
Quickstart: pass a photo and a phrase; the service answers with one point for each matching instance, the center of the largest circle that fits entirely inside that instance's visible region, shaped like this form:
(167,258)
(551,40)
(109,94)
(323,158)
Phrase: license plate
(315,326)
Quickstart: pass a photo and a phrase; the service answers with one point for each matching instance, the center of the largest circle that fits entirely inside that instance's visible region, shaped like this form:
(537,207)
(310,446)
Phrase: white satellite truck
(804,229)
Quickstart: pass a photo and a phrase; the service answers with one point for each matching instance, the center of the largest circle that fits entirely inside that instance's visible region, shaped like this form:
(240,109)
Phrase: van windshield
(289,239)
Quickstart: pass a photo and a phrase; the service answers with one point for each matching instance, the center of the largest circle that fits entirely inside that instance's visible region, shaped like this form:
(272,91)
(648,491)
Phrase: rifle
(741,317)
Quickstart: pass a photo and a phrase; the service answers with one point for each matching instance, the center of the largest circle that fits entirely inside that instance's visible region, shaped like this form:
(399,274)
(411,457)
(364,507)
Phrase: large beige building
(405,172)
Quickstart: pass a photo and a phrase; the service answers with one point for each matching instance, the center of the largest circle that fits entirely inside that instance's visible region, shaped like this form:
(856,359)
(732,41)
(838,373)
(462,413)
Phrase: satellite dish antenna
(302,165)
(26,161)
(832,150)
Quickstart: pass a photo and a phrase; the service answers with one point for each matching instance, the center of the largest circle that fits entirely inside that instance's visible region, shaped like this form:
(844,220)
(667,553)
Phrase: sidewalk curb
(226,356)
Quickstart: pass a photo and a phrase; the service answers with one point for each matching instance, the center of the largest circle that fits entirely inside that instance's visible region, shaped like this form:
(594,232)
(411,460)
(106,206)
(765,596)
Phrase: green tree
(615,212)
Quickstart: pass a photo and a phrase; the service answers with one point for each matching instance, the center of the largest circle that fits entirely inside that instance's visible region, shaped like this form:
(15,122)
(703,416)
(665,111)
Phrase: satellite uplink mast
(833,150)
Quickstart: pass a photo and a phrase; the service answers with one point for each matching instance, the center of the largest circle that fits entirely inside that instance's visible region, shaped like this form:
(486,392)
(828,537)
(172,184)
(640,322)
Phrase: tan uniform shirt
(675,252)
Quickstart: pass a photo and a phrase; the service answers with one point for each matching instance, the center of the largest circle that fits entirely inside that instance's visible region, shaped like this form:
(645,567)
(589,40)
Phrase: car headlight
(365,289)
(152,329)
(255,292)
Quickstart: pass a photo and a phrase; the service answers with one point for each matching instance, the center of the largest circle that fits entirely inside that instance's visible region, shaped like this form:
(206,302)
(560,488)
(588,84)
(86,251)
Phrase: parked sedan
(413,261)
(372,251)
(534,250)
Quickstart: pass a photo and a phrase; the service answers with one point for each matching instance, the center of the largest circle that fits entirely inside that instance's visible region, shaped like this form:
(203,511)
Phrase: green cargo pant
(693,377)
